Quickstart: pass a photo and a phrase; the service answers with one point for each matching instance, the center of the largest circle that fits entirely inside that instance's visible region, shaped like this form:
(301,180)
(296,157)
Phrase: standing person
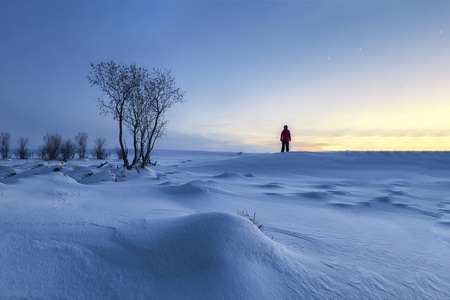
(285,138)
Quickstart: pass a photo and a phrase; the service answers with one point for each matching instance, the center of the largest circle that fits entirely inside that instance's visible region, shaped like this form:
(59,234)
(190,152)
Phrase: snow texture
(345,225)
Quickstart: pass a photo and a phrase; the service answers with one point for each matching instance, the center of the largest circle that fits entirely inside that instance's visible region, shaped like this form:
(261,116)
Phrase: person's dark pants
(285,146)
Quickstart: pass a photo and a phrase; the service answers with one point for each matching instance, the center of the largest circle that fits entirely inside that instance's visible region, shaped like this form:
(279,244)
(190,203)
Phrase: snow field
(336,226)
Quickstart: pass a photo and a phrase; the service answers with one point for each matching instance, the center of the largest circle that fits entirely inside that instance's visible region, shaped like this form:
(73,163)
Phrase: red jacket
(285,136)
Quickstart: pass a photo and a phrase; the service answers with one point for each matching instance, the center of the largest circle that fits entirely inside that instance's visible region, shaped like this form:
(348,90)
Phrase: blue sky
(361,75)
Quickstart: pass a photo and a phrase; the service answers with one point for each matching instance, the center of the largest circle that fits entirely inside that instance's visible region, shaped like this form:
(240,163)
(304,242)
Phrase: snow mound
(196,188)
(226,175)
(201,256)
(211,255)
(85,174)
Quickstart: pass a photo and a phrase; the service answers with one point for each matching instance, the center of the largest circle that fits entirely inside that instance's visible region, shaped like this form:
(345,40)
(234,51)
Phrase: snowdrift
(347,225)
(208,255)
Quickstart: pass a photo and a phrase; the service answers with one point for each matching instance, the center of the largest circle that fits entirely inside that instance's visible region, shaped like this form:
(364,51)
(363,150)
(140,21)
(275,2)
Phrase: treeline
(137,99)
(54,147)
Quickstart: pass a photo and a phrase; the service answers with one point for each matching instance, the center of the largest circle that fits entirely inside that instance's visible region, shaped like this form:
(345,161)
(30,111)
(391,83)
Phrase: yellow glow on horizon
(378,143)
(413,119)
(362,144)
(420,139)
(418,123)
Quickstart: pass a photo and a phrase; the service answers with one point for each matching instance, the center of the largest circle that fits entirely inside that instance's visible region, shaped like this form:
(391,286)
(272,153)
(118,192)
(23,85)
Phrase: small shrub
(67,150)
(253,219)
(22,151)
(99,151)
(81,144)
(120,154)
(5,138)
(51,150)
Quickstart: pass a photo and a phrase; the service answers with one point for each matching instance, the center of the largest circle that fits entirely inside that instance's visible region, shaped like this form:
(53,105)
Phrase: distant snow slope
(347,225)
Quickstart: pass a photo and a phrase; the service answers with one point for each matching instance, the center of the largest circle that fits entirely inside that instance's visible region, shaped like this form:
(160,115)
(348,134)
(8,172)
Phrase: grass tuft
(252,219)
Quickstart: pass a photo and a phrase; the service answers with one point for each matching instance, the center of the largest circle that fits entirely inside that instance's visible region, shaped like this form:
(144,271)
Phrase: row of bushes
(54,147)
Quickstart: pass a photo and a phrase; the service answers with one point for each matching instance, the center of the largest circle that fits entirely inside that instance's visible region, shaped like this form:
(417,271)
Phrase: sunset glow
(344,75)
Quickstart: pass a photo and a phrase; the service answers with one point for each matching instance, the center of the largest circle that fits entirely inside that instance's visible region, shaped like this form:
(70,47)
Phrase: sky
(343,75)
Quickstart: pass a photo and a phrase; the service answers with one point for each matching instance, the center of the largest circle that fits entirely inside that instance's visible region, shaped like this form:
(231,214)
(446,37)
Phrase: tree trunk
(122,147)
(151,142)
(135,145)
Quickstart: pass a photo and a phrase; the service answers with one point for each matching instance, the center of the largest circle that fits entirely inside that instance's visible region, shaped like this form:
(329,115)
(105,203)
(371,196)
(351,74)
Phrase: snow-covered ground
(346,225)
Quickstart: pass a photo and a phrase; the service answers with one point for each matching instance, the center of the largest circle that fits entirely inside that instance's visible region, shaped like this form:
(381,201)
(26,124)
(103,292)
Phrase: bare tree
(51,150)
(5,142)
(138,100)
(68,150)
(22,150)
(119,84)
(99,151)
(160,92)
(81,144)
(135,114)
